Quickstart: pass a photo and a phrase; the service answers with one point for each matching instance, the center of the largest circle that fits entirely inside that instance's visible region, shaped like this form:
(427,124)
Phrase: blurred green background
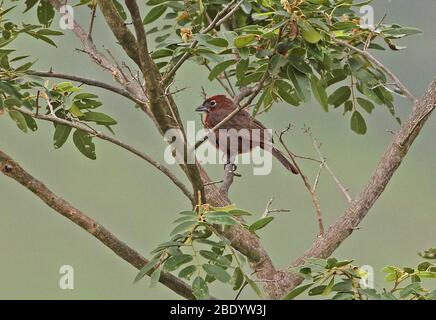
(138,204)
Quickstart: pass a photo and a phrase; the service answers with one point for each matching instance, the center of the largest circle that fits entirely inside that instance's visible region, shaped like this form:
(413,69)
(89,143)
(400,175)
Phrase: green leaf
(319,91)
(212,256)
(75,110)
(85,95)
(162,53)
(227,221)
(358,123)
(367,105)
(188,213)
(174,262)
(343,286)
(219,68)
(31,123)
(30,4)
(261,223)
(317,290)
(340,95)
(300,82)
(19,119)
(154,14)
(309,32)
(391,277)
(297,291)
(241,68)
(217,272)
(155,276)
(277,62)
(410,289)
(99,118)
(426,274)
(329,287)
(49,32)
(120,9)
(219,42)
(185,218)
(244,40)
(423,266)
(239,212)
(146,269)
(200,289)
(287,93)
(237,279)
(182,227)
(83,141)
(187,272)
(343,296)
(42,37)
(254,286)
(45,12)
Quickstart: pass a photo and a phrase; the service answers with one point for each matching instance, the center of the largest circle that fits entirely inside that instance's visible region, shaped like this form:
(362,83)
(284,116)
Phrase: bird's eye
(212,103)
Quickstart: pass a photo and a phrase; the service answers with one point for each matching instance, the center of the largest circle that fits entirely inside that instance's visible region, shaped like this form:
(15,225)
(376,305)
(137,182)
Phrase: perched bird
(216,109)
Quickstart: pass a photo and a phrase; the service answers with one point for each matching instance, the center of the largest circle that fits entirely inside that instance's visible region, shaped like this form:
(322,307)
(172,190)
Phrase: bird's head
(216,102)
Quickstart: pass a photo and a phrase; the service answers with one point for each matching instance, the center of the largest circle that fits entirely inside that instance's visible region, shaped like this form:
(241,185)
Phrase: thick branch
(128,82)
(12,169)
(142,155)
(163,108)
(387,166)
(219,19)
(119,29)
(241,239)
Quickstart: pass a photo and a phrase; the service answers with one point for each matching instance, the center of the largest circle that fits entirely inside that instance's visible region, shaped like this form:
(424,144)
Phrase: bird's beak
(201,108)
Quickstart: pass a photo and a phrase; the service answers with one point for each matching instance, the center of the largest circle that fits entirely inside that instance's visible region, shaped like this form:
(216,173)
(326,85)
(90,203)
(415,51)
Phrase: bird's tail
(285,162)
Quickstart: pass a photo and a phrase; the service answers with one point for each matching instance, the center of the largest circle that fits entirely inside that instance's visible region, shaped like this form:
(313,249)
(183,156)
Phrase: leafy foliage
(293,42)
(199,253)
(19,89)
(341,280)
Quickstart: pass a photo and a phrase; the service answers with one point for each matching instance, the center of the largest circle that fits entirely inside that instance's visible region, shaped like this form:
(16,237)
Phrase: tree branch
(392,75)
(129,83)
(91,82)
(310,189)
(13,170)
(359,208)
(163,108)
(241,239)
(117,142)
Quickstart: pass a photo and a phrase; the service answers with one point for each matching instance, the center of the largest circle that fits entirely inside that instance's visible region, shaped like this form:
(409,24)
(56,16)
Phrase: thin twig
(309,188)
(91,82)
(341,187)
(374,60)
(371,33)
(117,142)
(268,210)
(318,175)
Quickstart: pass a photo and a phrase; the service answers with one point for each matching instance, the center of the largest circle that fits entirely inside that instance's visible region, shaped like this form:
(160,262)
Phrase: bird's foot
(232,168)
